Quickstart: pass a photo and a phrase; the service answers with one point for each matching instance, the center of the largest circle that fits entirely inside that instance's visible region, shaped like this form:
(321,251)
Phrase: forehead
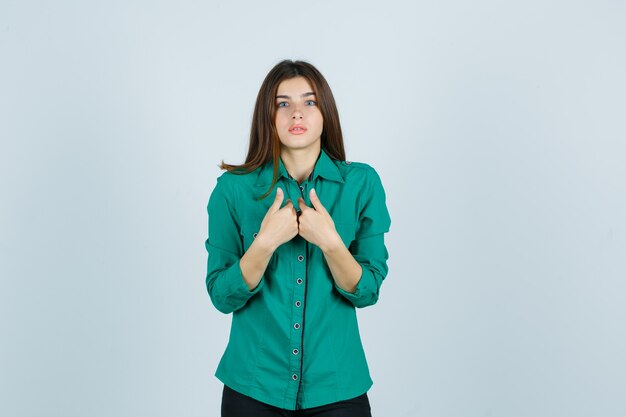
(294,87)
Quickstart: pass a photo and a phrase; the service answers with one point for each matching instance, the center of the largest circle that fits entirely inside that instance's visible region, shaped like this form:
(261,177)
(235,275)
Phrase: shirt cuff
(365,289)
(234,290)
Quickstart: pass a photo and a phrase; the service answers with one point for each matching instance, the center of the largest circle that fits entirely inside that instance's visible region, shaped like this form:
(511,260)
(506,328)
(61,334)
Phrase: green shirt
(294,340)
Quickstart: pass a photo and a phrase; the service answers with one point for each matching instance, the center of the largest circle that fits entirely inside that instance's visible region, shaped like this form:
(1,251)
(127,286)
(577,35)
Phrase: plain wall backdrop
(497,129)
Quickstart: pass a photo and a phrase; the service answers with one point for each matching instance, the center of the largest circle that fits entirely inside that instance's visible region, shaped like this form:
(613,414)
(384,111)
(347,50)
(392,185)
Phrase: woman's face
(299,121)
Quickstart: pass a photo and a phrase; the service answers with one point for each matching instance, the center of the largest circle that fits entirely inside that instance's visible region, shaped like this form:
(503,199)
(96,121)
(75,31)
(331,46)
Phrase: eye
(280,104)
(311,101)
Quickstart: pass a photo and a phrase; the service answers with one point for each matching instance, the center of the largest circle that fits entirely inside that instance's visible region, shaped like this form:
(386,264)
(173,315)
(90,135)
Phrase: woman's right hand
(279,225)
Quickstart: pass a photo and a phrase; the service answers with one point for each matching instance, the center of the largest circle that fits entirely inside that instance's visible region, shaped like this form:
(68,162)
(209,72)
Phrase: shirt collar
(324,167)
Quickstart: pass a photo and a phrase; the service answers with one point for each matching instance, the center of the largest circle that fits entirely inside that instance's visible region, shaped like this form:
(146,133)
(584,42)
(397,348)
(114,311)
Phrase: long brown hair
(264,143)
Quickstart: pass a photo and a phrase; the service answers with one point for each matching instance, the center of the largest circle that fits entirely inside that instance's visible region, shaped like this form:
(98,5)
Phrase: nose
(297,114)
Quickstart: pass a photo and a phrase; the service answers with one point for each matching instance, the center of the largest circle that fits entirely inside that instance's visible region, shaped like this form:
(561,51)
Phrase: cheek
(281,119)
(317,115)
(319,121)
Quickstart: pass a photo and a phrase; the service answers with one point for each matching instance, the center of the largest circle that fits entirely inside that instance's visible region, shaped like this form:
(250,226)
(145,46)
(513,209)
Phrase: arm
(345,270)
(254,262)
(360,270)
(232,276)
(371,255)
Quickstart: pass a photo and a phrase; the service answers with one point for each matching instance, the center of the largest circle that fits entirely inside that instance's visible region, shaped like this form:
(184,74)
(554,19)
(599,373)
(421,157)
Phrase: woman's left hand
(315,224)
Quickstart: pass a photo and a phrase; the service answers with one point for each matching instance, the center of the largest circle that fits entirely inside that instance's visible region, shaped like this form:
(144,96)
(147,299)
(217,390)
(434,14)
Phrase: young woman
(295,244)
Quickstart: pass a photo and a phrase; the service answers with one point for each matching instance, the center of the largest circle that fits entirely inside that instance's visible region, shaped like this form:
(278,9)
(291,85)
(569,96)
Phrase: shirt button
(295,351)
(296,326)
(299,280)
(254,235)
(302,188)
(298,303)
(300,258)
(294,377)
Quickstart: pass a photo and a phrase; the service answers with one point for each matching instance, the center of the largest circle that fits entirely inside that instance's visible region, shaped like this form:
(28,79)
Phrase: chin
(297,143)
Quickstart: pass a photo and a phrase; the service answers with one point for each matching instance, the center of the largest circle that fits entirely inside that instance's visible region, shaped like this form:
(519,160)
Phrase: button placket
(300,255)
(297,313)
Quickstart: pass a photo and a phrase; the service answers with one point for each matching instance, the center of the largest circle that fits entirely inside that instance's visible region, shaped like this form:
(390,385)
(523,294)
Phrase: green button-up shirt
(294,341)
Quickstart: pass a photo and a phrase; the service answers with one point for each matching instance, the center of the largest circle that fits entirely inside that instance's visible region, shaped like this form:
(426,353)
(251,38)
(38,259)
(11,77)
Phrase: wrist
(333,245)
(265,244)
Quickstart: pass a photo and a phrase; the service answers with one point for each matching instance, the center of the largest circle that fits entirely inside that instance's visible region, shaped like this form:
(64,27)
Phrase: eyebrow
(310,93)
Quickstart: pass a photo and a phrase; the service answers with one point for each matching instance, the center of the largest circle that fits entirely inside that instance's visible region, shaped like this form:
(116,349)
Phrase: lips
(297,129)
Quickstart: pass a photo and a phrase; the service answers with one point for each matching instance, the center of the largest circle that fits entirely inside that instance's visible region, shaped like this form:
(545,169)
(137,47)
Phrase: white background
(497,129)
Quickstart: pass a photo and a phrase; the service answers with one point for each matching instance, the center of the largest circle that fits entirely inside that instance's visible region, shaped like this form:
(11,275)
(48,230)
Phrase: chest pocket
(249,231)
(346,232)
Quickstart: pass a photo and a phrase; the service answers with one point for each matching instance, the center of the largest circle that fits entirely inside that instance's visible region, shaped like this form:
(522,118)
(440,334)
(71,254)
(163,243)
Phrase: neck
(299,162)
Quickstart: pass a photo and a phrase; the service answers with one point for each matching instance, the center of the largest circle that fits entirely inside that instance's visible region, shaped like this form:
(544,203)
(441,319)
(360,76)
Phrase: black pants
(235,404)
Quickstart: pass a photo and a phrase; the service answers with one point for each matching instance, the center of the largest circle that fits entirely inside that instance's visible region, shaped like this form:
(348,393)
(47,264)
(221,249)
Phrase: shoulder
(359,172)
(354,165)
(230,180)
(228,186)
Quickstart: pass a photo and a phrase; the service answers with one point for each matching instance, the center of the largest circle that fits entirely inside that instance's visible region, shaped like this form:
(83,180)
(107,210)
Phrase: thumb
(315,201)
(277,200)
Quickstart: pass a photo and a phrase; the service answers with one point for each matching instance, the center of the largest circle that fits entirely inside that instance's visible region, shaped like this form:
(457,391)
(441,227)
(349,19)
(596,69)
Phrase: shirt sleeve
(224,280)
(369,248)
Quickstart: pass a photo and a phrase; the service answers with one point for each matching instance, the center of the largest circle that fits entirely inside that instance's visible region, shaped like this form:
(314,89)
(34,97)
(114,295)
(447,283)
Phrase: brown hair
(264,141)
